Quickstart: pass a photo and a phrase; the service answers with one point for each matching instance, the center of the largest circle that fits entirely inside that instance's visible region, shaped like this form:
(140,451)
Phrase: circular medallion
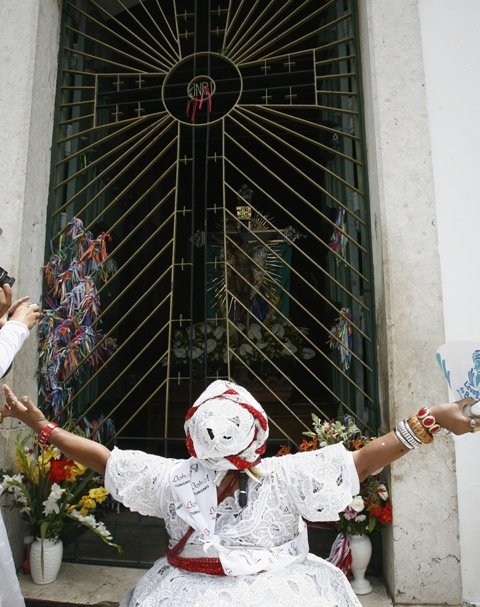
(202,89)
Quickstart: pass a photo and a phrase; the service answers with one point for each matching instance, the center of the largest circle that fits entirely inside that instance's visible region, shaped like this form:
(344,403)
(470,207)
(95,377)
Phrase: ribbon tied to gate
(200,91)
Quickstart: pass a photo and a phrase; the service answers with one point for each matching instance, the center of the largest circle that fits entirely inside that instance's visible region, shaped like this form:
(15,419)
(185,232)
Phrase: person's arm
(12,337)
(22,317)
(5,301)
(83,450)
(386,449)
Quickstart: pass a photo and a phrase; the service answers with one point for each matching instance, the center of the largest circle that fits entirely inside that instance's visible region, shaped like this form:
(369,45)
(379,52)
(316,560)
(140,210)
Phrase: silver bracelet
(406,435)
(415,441)
(401,439)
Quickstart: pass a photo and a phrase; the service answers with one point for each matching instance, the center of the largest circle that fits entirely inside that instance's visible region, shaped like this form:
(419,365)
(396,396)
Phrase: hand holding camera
(5,279)
(24,312)
(20,310)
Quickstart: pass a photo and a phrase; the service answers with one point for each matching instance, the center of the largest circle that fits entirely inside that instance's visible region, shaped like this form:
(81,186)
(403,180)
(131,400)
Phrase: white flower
(219,331)
(360,518)
(16,478)
(254,332)
(357,503)
(307,353)
(196,352)
(211,345)
(14,485)
(245,349)
(278,330)
(89,521)
(51,503)
(291,349)
(382,492)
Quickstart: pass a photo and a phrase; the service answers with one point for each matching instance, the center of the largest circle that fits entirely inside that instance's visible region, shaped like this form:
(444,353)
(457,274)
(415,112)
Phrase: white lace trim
(315,485)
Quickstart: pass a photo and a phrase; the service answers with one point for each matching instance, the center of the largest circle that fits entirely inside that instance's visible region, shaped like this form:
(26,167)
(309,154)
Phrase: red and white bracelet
(44,436)
(428,421)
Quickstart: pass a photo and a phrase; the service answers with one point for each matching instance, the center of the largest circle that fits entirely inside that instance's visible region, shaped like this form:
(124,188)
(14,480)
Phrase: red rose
(375,511)
(60,469)
(386,515)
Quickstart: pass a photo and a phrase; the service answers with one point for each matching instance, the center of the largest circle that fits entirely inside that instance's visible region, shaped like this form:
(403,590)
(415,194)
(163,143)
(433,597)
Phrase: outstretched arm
(386,449)
(83,450)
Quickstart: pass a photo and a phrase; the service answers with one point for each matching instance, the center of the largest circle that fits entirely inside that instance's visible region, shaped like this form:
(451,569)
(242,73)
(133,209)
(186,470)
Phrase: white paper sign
(460,365)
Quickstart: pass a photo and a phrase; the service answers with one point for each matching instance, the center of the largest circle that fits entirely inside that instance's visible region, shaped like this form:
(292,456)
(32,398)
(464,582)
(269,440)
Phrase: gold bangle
(420,432)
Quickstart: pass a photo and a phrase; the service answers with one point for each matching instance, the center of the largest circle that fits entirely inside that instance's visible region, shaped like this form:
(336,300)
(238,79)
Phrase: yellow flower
(26,464)
(76,470)
(46,455)
(99,494)
(88,502)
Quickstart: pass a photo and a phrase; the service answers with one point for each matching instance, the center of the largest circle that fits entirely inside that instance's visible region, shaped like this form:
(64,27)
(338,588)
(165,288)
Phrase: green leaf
(43,531)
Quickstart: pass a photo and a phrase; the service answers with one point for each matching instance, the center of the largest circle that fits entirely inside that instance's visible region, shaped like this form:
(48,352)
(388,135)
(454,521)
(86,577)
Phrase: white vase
(361,550)
(46,572)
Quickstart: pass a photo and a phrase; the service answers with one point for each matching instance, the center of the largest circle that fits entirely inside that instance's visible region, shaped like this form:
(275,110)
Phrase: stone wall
(29,31)
(422,548)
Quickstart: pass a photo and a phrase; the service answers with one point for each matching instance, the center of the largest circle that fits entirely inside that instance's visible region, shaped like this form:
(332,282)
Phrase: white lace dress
(315,485)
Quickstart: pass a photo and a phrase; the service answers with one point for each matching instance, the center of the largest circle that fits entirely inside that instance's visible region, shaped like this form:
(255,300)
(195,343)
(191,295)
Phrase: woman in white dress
(236,520)
(16,320)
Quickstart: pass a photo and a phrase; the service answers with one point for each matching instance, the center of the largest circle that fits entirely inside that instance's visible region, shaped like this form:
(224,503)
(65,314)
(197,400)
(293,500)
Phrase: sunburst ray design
(281,114)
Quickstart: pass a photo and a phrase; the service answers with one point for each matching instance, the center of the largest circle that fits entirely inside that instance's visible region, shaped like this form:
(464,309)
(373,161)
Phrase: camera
(5,278)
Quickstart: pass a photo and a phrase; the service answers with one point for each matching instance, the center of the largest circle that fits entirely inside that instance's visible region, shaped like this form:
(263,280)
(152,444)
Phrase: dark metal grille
(220,144)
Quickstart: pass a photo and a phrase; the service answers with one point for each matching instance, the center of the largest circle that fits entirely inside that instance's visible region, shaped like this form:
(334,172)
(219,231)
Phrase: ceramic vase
(46,572)
(361,550)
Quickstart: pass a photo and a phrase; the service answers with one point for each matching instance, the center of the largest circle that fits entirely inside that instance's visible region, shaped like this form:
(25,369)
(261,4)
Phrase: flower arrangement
(54,493)
(371,508)
(274,340)
(367,511)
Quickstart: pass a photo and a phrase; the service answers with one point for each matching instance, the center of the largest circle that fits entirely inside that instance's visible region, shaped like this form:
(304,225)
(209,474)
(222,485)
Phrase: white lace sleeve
(321,483)
(138,480)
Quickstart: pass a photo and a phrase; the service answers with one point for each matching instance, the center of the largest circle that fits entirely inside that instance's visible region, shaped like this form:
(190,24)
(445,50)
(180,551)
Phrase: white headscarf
(226,427)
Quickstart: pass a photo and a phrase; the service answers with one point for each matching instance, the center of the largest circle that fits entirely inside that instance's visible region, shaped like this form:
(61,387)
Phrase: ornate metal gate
(220,145)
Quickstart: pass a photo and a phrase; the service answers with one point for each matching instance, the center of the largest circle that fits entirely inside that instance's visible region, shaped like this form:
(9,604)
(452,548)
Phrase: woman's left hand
(451,417)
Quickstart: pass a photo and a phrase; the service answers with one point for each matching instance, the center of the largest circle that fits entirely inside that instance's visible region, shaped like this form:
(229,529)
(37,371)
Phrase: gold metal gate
(219,143)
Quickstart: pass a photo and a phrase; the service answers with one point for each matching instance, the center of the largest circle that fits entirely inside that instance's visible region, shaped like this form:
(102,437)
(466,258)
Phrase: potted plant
(53,493)
(368,511)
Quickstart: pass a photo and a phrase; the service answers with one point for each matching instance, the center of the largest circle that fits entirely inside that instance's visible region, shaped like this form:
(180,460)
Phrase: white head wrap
(226,427)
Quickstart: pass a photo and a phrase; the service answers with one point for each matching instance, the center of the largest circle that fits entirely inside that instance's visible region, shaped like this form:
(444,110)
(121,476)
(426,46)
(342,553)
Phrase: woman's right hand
(23,312)
(81,449)
(23,410)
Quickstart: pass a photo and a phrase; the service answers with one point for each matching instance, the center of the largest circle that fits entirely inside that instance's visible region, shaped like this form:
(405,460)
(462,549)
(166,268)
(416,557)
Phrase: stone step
(90,585)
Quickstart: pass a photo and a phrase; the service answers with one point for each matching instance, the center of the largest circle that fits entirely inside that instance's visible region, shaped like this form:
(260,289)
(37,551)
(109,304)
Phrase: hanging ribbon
(67,333)
(338,241)
(341,553)
(341,337)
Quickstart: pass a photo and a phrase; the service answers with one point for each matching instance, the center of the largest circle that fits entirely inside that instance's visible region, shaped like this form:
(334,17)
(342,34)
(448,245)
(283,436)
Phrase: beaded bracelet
(428,421)
(44,436)
(419,430)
